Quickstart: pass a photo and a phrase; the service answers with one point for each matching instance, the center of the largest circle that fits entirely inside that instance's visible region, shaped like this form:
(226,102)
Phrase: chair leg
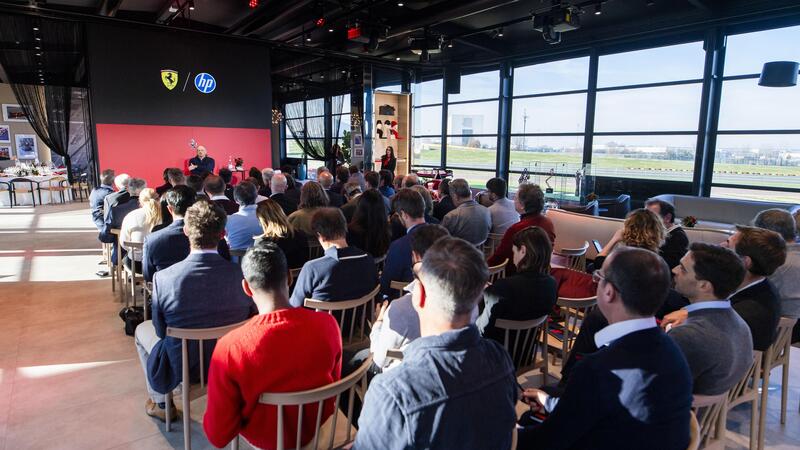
(753,423)
(167,405)
(785,388)
(762,417)
(187,420)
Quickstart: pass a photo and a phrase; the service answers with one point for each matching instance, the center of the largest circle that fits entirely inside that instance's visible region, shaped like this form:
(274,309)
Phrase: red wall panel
(144,151)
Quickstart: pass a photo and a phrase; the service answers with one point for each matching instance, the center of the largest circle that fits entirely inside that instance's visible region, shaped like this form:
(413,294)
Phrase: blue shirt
(387,191)
(452,391)
(242,227)
(341,274)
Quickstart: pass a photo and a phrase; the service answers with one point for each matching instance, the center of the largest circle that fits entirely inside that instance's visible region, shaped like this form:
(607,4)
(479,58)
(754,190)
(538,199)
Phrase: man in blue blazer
(636,391)
(117,214)
(202,291)
(170,244)
(410,209)
(98,195)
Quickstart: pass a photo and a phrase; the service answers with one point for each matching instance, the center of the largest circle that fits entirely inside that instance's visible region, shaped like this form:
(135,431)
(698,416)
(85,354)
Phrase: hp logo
(205,83)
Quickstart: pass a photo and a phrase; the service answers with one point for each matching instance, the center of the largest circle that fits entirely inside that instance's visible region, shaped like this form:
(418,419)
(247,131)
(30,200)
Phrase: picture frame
(27,146)
(6,152)
(5,134)
(14,113)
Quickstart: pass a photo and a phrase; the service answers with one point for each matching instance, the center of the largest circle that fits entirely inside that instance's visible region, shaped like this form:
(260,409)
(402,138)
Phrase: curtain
(306,122)
(337,103)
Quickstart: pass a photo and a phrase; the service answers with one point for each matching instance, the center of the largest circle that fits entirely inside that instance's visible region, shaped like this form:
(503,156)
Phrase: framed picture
(5,134)
(26,146)
(5,152)
(14,113)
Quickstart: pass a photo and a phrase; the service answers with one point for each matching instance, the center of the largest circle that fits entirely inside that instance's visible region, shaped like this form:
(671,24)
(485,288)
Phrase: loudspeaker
(452,80)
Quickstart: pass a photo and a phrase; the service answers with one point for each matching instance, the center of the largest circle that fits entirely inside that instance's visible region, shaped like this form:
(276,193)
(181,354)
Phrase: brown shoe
(151,409)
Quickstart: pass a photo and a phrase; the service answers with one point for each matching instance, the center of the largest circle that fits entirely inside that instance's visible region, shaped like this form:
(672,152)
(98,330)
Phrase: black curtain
(306,122)
(337,102)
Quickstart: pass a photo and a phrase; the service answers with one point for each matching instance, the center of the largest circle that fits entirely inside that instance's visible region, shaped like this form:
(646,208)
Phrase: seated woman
(642,228)
(528,294)
(312,197)
(277,229)
(369,229)
(139,223)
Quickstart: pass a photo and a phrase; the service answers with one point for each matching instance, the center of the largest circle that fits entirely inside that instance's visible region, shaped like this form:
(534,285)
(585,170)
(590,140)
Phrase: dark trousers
(351,361)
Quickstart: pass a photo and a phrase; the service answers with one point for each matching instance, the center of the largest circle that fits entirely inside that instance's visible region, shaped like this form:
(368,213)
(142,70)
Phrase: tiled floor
(70,377)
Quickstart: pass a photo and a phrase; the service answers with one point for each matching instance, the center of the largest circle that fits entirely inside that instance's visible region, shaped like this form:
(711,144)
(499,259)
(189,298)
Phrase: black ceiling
(323,53)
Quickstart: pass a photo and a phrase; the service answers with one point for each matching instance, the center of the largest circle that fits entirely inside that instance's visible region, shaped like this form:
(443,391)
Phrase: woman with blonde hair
(277,229)
(312,197)
(140,222)
(643,229)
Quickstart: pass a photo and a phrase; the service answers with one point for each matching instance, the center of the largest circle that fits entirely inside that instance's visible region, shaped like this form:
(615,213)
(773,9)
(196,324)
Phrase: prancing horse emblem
(170,78)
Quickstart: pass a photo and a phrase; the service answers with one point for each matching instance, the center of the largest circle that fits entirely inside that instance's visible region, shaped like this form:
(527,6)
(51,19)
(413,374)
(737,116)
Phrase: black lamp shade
(779,74)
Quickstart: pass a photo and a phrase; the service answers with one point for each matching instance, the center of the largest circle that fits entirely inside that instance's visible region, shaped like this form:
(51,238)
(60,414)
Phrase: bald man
(325,179)
(202,164)
(278,185)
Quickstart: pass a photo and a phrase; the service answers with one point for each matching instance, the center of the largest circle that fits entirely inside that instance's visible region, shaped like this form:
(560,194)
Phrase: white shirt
(617,330)
(504,214)
(203,251)
(219,197)
(134,229)
(713,304)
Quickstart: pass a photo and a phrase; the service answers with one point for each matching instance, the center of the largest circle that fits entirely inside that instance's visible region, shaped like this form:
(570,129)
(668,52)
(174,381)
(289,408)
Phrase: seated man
(243,225)
(97,196)
(196,183)
(266,179)
(202,291)
(454,390)
(786,278)
(714,339)
(260,357)
(161,190)
(469,221)
(503,212)
(636,391)
(117,214)
(278,185)
(409,207)
(343,273)
(373,181)
(227,177)
(326,181)
(215,188)
(676,243)
(170,244)
(116,198)
(445,203)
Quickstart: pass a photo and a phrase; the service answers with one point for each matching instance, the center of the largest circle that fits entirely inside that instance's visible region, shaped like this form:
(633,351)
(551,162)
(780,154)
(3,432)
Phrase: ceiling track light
(191,5)
(598,9)
(400,4)
(500,32)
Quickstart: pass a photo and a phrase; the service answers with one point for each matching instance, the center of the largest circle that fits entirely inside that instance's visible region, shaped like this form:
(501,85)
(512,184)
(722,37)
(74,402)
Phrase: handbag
(132,316)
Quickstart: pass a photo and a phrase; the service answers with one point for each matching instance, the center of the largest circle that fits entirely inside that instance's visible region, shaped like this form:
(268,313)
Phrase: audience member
(312,198)
(428,204)
(352,192)
(227,177)
(198,292)
(469,221)
(170,244)
(410,180)
(786,278)
(409,207)
(357,176)
(714,339)
(642,229)
(138,224)
(528,294)
(97,196)
(243,226)
(326,181)
(293,189)
(373,181)
(321,170)
(266,182)
(176,177)
(260,356)
(258,180)
(503,211)
(117,214)
(397,183)
(116,198)
(386,187)
(453,389)
(215,188)
(161,190)
(369,229)
(331,277)
(277,229)
(676,243)
(637,390)
(530,205)
(196,183)
(445,203)
(278,185)
(342,175)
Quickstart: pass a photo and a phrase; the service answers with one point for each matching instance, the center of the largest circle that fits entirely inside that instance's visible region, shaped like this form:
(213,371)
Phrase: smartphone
(597,246)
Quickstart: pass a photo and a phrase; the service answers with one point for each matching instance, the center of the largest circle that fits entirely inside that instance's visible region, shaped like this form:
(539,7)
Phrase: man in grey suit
(202,291)
(469,221)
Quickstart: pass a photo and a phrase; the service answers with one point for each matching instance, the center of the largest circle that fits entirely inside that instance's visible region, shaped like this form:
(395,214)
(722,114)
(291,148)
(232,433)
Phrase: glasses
(415,268)
(599,275)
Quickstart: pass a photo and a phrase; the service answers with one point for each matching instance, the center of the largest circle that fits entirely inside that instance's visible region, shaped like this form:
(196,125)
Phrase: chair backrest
(711,413)
(694,432)
(200,335)
(314,248)
(317,397)
(134,248)
(576,257)
(575,311)
(491,243)
(398,285)
(497,272)
(348,309)
(526,340)
(394,353)
(778,353)
(747,387)
(379,262)
(57,182)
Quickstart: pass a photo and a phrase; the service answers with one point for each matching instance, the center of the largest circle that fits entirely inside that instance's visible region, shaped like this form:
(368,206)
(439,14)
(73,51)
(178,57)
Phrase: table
(26,198)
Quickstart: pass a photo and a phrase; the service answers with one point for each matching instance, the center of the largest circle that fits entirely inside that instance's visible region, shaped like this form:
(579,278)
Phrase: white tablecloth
(25,199)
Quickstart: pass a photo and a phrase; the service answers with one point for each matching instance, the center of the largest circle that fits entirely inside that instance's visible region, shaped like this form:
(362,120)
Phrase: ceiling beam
(256,19)
(700,4)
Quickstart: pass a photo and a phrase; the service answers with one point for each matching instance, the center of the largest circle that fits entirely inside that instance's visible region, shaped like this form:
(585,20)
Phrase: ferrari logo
(169,78)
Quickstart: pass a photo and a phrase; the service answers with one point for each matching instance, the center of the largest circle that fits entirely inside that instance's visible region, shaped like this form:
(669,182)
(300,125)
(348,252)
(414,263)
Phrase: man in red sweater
(529,203)
(262,356)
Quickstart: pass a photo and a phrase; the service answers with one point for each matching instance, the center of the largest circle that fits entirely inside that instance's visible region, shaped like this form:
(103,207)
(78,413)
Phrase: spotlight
(397,58)
(330,30)
(191,5)
(39,54)
(173,8)
(450,44)
(598,9)
(35,28)
(253,4)
(308,38)
(400,4)
(320,22)
(500,32)
(38,39)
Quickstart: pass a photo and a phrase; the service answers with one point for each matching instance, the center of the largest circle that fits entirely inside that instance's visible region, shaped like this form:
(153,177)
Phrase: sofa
(720,213)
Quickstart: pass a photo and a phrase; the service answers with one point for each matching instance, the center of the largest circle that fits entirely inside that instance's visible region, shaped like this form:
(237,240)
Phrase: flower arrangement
(689,221)
(26,170)
(590,197)
(238,162)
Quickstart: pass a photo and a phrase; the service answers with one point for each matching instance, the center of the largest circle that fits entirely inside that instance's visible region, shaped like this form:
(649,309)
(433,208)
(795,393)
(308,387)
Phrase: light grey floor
(70,377)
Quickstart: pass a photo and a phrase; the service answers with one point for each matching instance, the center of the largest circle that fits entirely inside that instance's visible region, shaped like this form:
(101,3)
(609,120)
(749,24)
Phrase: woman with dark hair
(528,294)
(388,160)
(312,198)
(386,187)
(369,229)
(277,229)
(255,174)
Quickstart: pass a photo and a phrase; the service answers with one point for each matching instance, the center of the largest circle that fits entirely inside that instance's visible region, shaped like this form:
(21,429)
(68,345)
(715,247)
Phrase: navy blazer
(397,266)
(287,205)
(113,199)
(114,220)
(96,204)
(168,246)
(202,291)
(634,393)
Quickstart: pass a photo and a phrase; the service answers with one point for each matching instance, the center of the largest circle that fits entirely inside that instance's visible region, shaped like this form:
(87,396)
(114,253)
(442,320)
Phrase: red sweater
(284,351)
(503,250)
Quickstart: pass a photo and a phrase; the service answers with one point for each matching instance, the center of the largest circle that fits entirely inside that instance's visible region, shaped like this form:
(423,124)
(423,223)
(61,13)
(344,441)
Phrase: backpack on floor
(132,316)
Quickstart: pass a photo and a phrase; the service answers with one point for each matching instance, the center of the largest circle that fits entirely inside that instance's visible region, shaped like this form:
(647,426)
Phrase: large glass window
(758,143)
(557,76)
(477,86)
(472,127)
(652,65)
(426,133)
(307,118)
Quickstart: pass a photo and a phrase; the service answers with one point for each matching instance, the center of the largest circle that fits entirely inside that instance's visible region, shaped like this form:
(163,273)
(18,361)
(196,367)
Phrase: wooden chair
(575,257)
(694,432)
(53,185)
(746,390)
(114,269)
(148,294)
(314,249)
(80,187)
(491,243)
(187,394)
(379,263)
(398,285)
(131,275)
(497,272)
(16,190)
(526,342)
(574,311)
(366,304)
(776,355)
(318,397)
(711,413)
